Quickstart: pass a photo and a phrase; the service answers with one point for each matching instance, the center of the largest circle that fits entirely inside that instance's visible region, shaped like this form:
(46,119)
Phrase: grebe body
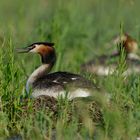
(62,84)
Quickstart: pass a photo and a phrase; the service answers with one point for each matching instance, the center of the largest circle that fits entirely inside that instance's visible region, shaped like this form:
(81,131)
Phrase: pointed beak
(23,50)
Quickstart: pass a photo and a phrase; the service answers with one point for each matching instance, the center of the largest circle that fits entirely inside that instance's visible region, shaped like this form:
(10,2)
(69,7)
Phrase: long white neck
(38,73)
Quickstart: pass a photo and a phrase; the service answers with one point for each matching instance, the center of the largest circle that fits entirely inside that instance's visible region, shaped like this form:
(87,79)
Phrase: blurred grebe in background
(107,64)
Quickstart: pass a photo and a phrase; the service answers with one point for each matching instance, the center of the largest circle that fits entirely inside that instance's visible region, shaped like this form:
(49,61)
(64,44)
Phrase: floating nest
(77,108)
(31,106)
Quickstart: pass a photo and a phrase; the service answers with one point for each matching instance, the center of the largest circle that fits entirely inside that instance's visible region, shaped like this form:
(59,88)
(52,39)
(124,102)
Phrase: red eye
(33,46)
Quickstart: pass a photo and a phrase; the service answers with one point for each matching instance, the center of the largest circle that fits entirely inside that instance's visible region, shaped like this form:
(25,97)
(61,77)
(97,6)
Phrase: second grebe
(130,44)
(107,64)
(54,84)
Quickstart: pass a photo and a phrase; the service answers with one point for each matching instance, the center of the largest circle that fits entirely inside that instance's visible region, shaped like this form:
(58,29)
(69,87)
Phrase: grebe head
(45,49)
(127,42)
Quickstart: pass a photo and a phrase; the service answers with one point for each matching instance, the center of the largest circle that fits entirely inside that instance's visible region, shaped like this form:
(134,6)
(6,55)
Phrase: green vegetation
(80,30)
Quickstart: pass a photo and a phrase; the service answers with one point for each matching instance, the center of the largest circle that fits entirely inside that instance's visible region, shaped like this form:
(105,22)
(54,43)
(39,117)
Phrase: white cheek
(33,51)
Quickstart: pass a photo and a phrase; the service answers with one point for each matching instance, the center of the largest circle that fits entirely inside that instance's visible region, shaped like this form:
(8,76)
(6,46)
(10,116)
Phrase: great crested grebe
(107,64)
(54,84)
